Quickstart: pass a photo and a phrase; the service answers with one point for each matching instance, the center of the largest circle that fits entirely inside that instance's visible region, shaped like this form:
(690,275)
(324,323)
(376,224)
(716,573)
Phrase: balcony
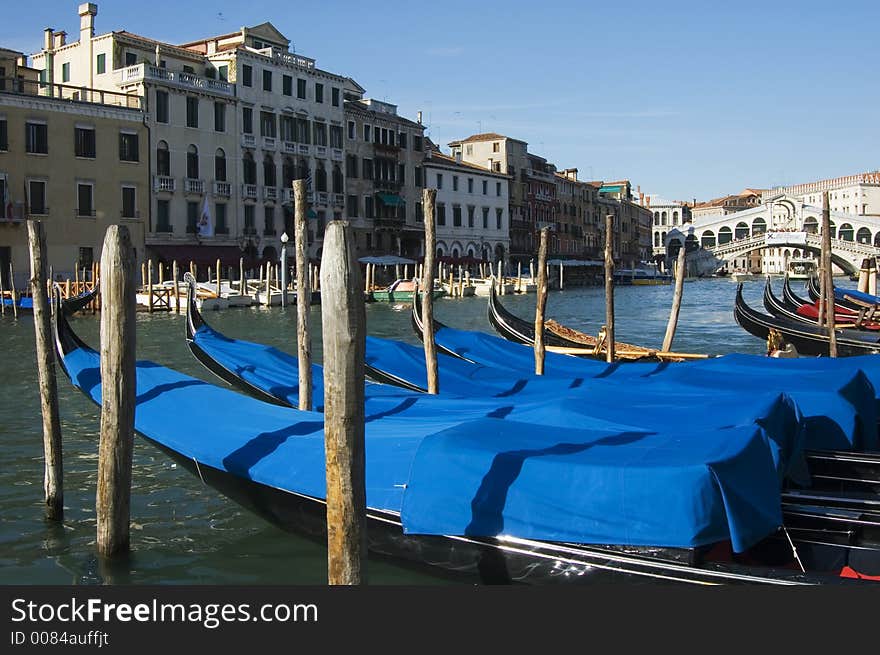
(387,147)
(391,222)
(270,193)
(336,154)
(269,143)
(286,196)
(143,72)
(249,191)
(163,183)
(321,151)
(338,199)
(310,196)
(248,141)
(191,185)
(289,147)
(388,185)
(303,149)
(222,189)
(322,197)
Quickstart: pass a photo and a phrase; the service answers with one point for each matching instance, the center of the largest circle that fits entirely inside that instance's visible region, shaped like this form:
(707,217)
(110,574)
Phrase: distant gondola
(809,314)
(513,328)
(807,339)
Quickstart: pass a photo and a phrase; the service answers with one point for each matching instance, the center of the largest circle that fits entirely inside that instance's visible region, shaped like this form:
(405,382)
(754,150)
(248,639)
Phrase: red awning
(199,255)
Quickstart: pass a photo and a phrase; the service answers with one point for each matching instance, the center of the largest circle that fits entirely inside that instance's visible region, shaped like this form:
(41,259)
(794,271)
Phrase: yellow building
(75,160)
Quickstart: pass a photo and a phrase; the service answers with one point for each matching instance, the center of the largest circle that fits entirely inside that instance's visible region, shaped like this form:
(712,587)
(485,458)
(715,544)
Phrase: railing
(387,147)
(248,141)
(303,149)
(191,185)
(141,72)
(338,199)
(322,198)
(289,148)
(71,93)
(249,191)
(163,183)
(269,143)
(270,193)
(336,154)
(286,196)
(388,185)
(320,151)
(222,189)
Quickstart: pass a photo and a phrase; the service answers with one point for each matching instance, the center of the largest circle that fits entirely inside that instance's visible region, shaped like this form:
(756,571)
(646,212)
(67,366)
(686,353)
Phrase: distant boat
(642,275)
(801,269)
(400,291)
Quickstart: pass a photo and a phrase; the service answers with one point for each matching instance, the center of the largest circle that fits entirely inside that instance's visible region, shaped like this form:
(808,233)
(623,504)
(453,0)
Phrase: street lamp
(284,240)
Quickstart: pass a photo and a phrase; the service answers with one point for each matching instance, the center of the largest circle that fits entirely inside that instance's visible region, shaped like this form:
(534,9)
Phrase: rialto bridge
(764,238)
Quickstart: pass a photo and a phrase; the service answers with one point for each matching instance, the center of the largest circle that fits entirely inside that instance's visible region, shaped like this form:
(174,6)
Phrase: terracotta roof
(147,39)
(451,161)
(486,136)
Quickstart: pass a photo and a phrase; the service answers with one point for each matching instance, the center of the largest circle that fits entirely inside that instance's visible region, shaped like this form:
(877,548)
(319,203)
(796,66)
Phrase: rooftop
(485,136)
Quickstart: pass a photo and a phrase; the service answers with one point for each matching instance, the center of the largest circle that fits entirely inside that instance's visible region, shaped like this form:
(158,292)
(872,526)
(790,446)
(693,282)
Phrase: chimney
(419,117)
(87,13)
(48,38)
(60,39)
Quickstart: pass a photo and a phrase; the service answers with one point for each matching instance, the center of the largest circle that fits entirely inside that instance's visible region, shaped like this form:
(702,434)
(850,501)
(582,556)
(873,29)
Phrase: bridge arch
(725,235)
(759,226)
(741,231)
(811,225)
(877,239)
(863,235)
(845,233)
(707,239)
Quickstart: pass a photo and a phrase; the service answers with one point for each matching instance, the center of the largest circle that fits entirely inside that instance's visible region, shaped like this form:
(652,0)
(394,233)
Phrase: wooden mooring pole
(343,321)
(175,274)
(676,300)
(53,471)
(12,290)
(303,293)
(429,196)
(112,506)
(829,279)
(609,287)
(541,302)
(864,272)
(3,296)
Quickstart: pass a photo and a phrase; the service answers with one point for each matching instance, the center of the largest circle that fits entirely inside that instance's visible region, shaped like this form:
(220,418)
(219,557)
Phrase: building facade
(76,165)
(851,194)
(472,209)
(384,169)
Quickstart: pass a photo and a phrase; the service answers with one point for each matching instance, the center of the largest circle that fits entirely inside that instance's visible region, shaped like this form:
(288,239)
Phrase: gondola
(270,460)
(842,481)
(851,299)
(808,313)
(69,305)
(807,339)
(515,329)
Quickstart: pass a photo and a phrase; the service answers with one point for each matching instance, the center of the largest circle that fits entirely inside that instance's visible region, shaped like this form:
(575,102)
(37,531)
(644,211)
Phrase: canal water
(186,533)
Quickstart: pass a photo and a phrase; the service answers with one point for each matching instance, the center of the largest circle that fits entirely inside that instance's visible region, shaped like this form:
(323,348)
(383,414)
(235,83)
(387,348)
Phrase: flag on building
(206,225)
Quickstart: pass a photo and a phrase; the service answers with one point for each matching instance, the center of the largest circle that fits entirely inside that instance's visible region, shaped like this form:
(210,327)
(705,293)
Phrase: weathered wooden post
(676,300)
(12,290)
(268,284)
(501,291)
(872,277)
(829,280)
(541,302)
(561,279)
(303,293)
(143,274)
(149,286)
(429,196)
(609,286)
(175,273)
(519,277)
(161,273)
(864,271)
(3,296)
(343,321)
(240,276)
(53,471)
(118,392)
(219,271)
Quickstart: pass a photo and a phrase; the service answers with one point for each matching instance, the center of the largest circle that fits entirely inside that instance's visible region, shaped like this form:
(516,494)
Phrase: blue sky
(685,99)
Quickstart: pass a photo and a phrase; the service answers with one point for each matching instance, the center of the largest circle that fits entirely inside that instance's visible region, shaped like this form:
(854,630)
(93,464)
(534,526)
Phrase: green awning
(610,189)
(312,213)
(391,200)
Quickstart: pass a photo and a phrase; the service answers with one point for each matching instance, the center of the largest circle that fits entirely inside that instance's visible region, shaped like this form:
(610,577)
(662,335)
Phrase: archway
(759,226)
(707,239)
(656,239)
(877,239)
(846,232)
(811,225)
(863,235)
(725,235)
(270,254)
(741,231)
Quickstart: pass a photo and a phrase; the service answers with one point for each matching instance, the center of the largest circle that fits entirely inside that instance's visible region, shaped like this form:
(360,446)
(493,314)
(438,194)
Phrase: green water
(186,533)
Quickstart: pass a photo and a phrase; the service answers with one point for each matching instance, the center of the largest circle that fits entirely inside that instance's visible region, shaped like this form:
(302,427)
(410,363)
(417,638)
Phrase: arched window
(663,218)
(192,162)
(269,172)
(741,231)
(811,225)
(707,239)
(759,226)
(337,180)
(220,165)
(656,239)
(320,179)
(288,169)
(675,218)
(846,232)
(724,235)
(249,168)
(163,159)
(863,235)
